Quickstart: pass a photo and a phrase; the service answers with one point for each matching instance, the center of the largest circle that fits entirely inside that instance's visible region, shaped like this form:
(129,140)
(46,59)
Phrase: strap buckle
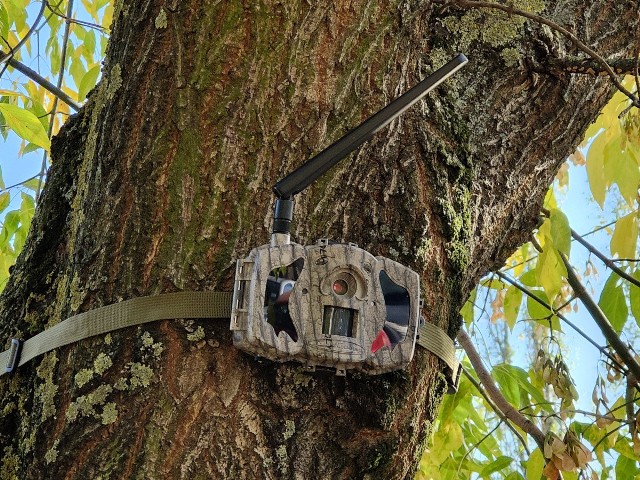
(14,355)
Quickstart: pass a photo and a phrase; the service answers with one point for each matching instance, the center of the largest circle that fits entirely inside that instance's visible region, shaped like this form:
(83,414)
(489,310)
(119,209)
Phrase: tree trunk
(164,178)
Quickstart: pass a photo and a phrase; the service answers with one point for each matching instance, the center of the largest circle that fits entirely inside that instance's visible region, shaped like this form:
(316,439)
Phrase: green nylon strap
(167,306)
(124,314)
(440,344)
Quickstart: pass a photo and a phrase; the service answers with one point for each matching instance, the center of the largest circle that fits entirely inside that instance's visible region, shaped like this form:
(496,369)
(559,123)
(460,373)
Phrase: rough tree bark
(163,179)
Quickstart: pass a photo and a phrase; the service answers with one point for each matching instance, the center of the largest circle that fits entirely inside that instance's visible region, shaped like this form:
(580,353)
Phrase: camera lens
(340,287)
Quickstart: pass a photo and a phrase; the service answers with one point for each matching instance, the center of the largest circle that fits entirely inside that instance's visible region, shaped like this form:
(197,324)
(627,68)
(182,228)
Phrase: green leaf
(4,21)
(20,237)
(535,465)
(77,70)
(511,305)
(524,386)
(497,465)
(11,222)
(5,198)
(92,9)
(39,111)
(89,46)
(27,205)
(626,468)
(467,310)
(514,476)
(625,236)
(508,384)
(613,303)
(25,124)
(528,278)
(535,309)
(623,447)
(560,231)
(493,283)
(32,184)
(53,50)
(88,82)
(28,148)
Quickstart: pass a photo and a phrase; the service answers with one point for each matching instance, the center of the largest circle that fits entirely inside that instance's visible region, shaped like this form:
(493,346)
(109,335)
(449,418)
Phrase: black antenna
(315,167)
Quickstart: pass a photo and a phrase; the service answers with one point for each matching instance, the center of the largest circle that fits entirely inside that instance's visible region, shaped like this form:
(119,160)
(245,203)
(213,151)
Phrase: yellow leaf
(621,167)
(511,305)
(625,236)
(595,169)
(10,93)
(549,271)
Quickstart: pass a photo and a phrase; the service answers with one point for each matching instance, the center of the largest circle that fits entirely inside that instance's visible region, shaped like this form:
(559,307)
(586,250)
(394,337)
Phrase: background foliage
(529,305)
(526,319)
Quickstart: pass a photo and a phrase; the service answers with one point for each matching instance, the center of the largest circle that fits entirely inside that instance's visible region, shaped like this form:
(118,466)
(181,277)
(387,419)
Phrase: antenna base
(282,215)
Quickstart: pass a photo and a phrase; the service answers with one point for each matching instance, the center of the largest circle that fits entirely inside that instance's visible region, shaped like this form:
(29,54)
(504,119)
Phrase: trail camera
(331,304)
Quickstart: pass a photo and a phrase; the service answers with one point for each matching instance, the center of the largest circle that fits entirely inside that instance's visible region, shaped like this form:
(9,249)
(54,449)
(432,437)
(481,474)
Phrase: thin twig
(606,260)
(43,82)
(17,184)
(477,444)
(630,402)
(68,18)
(606,435)
(63,58)
(602,350)
(492,390)
(13,49)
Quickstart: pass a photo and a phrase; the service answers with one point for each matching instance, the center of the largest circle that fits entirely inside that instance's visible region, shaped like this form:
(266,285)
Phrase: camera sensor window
(338,321)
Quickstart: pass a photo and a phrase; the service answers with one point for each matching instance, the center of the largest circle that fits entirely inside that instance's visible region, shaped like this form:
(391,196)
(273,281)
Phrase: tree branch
(40,80)
(589,66)
(497,410)
(24,39)
(607,261)
(554,26)
(601,320)
(496,396)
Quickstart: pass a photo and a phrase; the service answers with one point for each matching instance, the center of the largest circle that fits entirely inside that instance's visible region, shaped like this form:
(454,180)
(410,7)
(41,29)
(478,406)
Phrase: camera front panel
(326,305)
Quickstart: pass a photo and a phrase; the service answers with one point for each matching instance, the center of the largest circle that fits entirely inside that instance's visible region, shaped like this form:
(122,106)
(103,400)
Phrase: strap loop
(13,355)
(437,341)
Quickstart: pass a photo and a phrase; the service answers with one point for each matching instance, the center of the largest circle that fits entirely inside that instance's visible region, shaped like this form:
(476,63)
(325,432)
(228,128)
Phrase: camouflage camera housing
(327,305)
